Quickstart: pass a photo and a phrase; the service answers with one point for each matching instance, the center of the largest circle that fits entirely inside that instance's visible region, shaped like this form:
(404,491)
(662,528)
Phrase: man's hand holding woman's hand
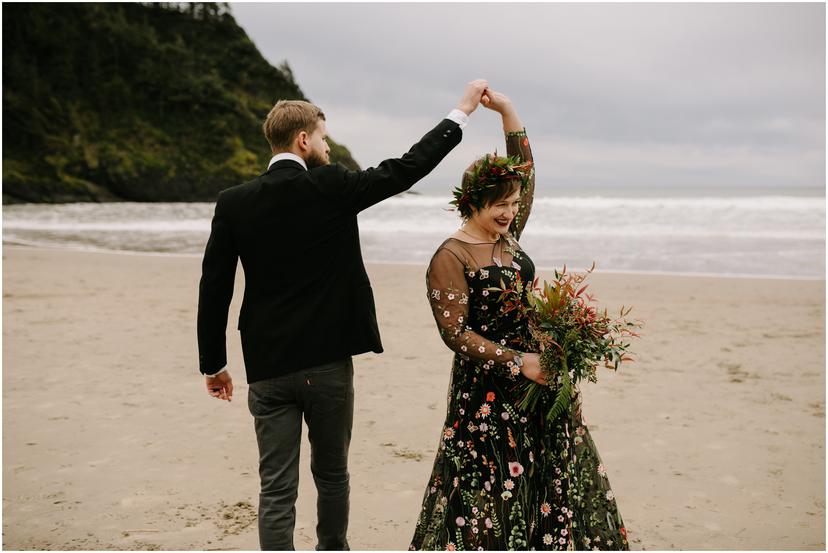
(478,92)
(471,96)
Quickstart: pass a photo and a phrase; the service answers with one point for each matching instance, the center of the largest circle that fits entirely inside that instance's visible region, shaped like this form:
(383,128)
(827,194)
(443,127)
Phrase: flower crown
(486,174)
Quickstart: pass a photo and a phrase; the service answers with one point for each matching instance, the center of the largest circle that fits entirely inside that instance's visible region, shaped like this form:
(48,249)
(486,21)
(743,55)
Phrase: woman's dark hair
(499,189)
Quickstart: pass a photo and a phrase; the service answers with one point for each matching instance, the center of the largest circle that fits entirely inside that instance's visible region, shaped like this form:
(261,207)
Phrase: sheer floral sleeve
(517,144)
(448,294)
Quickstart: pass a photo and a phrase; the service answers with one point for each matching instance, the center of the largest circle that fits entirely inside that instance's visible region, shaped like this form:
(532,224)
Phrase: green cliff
(141,102)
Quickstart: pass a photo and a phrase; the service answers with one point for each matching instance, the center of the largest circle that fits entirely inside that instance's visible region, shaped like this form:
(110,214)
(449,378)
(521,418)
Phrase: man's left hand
(220,386)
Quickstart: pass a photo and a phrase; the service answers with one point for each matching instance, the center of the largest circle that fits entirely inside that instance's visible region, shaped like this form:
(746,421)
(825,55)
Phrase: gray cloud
(613,95)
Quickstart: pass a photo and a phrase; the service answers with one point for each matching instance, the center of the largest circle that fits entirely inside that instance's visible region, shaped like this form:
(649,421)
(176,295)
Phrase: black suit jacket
(307,298)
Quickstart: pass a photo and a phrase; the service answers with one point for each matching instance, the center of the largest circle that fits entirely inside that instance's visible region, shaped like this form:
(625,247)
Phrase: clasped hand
(478,92)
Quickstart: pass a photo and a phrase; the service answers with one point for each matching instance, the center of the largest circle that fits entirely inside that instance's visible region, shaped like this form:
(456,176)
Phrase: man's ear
(303,140)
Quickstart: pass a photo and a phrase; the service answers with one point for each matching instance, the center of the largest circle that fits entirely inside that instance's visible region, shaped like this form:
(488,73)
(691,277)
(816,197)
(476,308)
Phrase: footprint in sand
(780,397)
(406,453)
(735,372)
(233,519)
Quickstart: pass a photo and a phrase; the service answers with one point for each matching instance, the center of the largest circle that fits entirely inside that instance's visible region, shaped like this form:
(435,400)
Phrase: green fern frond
(562,399)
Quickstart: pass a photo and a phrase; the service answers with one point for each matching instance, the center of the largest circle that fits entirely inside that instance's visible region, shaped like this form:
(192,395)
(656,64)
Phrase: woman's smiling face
(495,218)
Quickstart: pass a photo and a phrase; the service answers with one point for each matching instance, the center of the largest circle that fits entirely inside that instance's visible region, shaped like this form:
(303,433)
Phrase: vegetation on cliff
(141,102)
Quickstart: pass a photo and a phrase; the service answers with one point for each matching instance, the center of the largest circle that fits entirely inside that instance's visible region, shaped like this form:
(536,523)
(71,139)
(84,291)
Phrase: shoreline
(631,193)
(52,247)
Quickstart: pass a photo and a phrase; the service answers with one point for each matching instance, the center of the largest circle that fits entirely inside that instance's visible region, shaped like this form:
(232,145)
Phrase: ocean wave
(698,235)
(193,225)
(753,203)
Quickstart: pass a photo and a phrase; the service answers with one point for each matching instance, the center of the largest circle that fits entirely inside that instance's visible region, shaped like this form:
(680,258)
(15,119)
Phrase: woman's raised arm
(517,144)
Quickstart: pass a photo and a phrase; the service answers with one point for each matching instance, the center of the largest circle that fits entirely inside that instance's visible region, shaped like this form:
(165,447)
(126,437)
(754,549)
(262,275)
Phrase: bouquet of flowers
(574,338)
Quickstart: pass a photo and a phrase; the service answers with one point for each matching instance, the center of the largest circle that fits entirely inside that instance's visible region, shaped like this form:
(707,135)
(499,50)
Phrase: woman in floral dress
(504,479)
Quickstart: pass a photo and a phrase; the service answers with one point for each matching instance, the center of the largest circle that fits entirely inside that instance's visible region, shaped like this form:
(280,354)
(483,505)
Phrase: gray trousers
(325,396)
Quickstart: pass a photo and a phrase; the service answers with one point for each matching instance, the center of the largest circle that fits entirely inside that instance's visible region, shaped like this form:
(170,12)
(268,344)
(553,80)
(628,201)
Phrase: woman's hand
(496,101)
(531,368)
(499,102)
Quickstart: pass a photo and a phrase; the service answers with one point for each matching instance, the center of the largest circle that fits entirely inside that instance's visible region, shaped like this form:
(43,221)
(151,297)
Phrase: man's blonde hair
(287,119)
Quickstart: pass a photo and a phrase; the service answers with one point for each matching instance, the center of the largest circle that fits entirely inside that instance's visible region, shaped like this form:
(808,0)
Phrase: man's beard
(315,159)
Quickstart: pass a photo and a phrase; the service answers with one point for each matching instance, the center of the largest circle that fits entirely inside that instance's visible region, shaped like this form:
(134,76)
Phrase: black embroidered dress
(504,479)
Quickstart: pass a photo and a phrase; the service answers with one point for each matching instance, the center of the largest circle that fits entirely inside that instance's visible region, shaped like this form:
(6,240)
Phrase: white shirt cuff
(218,373)
(459,117)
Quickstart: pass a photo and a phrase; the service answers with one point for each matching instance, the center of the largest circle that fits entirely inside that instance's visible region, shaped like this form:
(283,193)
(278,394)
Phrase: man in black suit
(308,305)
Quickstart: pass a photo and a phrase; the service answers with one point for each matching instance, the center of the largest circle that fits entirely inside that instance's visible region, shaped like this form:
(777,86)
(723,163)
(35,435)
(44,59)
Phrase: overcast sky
(614,96)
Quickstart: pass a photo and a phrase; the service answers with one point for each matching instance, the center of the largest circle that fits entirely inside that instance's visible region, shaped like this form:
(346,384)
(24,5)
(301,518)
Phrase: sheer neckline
(486,255)
(474,243)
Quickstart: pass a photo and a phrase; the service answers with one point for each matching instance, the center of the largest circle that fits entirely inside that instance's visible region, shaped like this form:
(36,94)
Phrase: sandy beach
(713,439)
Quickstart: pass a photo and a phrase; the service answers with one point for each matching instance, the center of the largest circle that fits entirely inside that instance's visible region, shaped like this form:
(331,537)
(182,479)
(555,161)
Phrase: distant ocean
(766,235)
